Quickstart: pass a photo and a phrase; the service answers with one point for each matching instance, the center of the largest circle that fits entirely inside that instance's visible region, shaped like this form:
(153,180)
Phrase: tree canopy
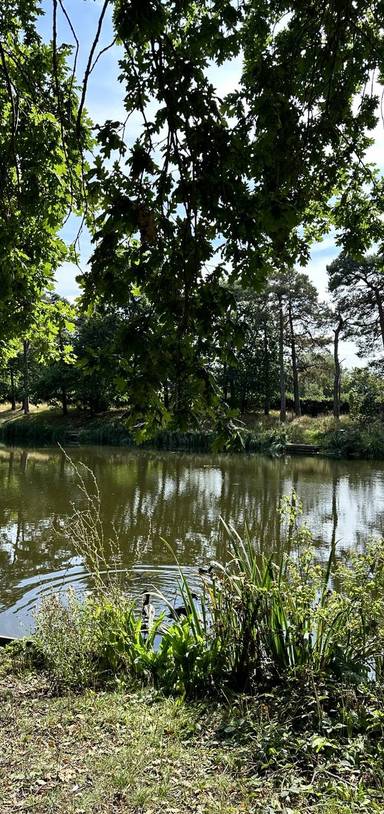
(212,194)
(41,161)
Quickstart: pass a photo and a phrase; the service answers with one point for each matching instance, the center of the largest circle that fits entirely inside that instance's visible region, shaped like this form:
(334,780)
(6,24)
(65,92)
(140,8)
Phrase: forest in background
(282,352)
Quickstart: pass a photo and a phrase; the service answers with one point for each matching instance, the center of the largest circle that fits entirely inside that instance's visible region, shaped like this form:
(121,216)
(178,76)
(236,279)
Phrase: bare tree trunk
(295,373)
(266,371)
(381,313)
(337,379)
(13,393)
(283,398)
(64,396)
(26,347)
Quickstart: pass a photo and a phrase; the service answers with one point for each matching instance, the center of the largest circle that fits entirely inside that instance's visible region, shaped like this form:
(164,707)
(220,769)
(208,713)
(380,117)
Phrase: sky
(105,101)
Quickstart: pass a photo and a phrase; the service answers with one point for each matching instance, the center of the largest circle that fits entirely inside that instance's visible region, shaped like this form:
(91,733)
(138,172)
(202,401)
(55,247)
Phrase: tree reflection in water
(147,496)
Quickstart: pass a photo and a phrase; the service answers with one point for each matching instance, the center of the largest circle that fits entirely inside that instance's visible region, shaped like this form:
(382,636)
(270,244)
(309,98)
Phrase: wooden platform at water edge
(302,449)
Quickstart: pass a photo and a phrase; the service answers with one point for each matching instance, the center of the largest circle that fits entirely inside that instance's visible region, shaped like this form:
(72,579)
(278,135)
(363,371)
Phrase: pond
(149,497)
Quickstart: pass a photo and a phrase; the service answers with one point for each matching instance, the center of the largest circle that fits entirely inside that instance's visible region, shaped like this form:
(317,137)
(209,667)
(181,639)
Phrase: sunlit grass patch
(140,753)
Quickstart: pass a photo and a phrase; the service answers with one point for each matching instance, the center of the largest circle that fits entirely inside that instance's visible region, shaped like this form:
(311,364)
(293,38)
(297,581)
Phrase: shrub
(66,637)
(366,394)
(357,440)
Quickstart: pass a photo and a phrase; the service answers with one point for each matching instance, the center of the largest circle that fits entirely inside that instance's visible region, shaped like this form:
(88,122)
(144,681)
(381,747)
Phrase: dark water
(147,496)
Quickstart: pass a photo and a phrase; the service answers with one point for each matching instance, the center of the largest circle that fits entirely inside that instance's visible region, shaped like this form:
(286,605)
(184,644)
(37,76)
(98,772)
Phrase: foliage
(66,638)
(210,189)
(358,290)
(366,394)
(355,440)
(97,373)
(250,370)
(214,193)
(258,622)
(41,160)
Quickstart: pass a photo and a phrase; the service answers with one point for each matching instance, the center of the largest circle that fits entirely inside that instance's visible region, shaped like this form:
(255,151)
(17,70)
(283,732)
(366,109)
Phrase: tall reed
(258,620)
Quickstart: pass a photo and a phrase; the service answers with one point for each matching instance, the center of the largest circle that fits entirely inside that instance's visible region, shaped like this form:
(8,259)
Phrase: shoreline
(320,436)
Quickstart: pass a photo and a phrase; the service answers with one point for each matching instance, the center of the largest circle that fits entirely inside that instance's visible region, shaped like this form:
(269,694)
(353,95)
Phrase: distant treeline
(277,349)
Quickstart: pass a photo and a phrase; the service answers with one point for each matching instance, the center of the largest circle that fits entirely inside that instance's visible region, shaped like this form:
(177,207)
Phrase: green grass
(141,753)
(345,438)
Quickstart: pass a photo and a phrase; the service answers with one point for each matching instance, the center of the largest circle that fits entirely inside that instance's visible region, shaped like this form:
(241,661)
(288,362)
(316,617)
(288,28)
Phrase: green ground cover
(344,438)
(141,753)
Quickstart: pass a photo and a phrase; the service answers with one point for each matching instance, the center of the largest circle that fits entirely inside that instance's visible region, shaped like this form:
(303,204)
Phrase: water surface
(151,496)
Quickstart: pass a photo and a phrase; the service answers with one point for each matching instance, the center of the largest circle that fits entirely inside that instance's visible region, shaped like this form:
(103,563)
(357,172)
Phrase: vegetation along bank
(345,437)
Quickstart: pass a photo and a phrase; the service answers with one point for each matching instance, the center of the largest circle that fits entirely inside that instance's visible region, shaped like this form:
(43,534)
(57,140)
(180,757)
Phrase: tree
(9,372)
(52,338)
(303,66)
(45,342)
(212,191)
(317,374)
(98,382)
(251,372)
(337,383)
(358,289)
(297,306)
(41,161)
(244,181)
(366,394)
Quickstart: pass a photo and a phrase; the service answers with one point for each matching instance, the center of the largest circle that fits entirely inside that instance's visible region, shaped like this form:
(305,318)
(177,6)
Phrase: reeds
(259,620)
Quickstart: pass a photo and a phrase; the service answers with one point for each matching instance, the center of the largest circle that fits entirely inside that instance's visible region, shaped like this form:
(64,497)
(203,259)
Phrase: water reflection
(148,496)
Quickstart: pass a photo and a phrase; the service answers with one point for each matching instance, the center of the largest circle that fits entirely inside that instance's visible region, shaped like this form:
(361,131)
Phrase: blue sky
(105,101)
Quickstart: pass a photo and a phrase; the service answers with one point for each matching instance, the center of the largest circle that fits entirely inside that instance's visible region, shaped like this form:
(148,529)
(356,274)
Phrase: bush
(358,440)
(366,395)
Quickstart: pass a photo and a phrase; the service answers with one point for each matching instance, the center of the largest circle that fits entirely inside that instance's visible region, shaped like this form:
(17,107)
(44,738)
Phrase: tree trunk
(26,346)
(244,402)
(64,400)
(337,380)
(283,399)
(166,395)
(381,313)
(64,395)
(266,371)
(295,373)
(13,394)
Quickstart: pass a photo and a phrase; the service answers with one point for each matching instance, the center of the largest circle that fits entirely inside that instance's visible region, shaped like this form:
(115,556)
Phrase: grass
(141,753)
(343,438)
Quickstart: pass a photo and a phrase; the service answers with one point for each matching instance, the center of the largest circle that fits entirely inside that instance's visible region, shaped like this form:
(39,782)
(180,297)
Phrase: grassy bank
(142,753)
(46,425)
(344,438)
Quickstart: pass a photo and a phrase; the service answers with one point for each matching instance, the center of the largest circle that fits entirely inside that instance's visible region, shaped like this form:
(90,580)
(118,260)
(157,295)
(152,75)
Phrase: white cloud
(226,77)
(66,284)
